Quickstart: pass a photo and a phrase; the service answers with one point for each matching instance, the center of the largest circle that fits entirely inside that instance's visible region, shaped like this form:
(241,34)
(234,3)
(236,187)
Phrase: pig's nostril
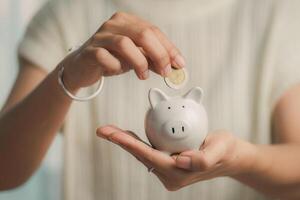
(173,130)
(182,128)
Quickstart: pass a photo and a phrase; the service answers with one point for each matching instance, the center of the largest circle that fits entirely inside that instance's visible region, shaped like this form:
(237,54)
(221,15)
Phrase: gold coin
(177,78)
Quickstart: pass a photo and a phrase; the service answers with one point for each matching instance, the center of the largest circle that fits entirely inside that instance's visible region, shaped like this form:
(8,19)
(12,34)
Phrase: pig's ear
(155,96)
(195,94)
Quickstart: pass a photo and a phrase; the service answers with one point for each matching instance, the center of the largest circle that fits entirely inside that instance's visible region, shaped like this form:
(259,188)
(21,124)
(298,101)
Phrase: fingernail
(145,74)
(179,60)
(184,162)
(167,70)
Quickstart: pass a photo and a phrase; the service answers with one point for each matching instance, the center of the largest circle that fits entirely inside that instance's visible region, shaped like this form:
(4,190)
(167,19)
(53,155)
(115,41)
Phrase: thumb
(201,160)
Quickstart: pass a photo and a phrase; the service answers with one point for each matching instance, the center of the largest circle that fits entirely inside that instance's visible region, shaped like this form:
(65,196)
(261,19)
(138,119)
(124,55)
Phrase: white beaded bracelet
(67,92)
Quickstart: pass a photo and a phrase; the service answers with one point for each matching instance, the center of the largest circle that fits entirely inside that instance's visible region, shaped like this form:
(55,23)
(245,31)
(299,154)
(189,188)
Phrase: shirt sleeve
(43,41)
(286,71)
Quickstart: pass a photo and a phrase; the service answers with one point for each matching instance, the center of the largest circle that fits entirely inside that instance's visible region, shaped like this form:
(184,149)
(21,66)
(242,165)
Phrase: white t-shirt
(243,53)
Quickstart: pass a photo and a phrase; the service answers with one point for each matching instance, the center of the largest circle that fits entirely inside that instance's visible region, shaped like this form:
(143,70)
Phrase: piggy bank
(178,123)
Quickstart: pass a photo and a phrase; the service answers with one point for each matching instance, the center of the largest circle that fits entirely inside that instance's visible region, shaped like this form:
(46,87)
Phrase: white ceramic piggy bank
(176,124)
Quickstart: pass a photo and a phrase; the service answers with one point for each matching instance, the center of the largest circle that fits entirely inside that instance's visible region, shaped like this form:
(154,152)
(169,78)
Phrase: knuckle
(100,54)
(107,25)
(119,15)
(122,42)
(144,34)
(204,163)
(162,60)
(200,162)
(227,135)
(154,28)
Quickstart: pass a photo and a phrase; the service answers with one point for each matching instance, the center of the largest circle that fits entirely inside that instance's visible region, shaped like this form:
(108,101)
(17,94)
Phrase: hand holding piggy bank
(176,124)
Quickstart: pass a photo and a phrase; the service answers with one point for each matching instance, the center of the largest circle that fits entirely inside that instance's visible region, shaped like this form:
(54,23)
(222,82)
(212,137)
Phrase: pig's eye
(182,106)
(169,107)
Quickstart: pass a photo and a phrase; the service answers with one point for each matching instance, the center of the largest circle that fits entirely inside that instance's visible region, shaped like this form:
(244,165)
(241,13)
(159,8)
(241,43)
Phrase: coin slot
(173,130)
(182,128)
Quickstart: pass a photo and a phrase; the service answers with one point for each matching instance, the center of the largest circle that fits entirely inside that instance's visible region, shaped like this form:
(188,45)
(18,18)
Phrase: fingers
(176,58)
(158,48)
(152,157)
(128,51)
(137,137)
(102,57)
(159,56)
(201,160)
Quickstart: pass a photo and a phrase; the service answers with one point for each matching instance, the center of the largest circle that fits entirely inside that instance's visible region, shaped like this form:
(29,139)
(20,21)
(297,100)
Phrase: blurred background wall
(46,182)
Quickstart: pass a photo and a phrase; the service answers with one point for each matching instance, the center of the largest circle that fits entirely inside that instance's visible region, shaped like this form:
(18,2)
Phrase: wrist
(64,81)
(69,81)
(73,90)
(70,76)
(247,162)
(253,163)
(76,76)
(57,88)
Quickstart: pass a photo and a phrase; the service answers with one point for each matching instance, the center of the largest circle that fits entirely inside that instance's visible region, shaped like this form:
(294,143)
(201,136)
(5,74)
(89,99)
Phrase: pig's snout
(176,129)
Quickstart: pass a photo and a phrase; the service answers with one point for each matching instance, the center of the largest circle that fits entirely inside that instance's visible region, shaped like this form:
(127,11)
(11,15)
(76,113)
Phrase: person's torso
(222,46)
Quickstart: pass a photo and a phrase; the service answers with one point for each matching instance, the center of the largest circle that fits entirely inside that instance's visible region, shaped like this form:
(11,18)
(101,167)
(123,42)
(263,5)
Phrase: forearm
(275,171)
(27,129)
